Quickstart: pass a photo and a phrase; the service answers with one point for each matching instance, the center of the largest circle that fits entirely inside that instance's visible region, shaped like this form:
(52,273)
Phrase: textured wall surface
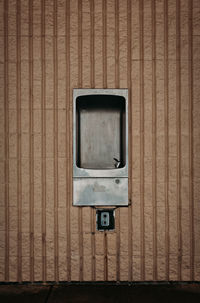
(47,49)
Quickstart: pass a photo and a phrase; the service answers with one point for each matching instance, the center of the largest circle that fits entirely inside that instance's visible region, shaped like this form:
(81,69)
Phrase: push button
(105,219)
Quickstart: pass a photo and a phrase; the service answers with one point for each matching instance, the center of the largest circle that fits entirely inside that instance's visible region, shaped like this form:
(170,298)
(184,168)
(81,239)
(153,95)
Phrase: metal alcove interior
(100,147)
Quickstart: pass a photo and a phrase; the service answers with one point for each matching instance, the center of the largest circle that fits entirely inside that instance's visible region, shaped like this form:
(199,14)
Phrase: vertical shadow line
(31,142)
(166,109)
(129,68)
(154,146)
(80,83)
(55,126)
(191,154)
(104,42)
(6,140)
(117,43)
(92,62)
(105,244)
(178,130)
(104,50)
(141,42)
(93,257)
(43,143)
(19,143)
(117,86)
(92,81)
(68,140)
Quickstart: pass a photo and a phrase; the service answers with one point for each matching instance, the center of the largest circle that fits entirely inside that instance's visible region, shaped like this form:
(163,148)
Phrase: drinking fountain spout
(117,163)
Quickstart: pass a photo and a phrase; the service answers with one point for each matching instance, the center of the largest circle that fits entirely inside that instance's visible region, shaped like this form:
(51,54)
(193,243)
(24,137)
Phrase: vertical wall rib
(80,81)
(117,86)
(68,137)
(105,251)
(92,62)
(141,50)
(104,18)
(178,130)
(6,139)
(31,142)
(55,118)
(190,118)
(92,82)
(104,53)
(117,43)
(166,109)
(154,146)
(43,142)
(129,62)
(19,162)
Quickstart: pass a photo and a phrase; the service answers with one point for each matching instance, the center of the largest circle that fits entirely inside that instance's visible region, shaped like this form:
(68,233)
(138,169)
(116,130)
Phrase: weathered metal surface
(100,140)
(103,136)
(100,191)
(99,133)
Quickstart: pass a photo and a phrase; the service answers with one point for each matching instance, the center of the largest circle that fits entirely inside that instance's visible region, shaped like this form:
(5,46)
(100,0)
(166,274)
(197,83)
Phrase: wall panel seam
(178,129)
(129,75)
(117,86)
(104,53)
(141,47)
(166,108)
(92,81)
(191,153)
(80,83)
(154,144)
(43,143)
(31,140)
(104,42)
(55,126)
(68,121)
(6,140)
(105,247)
(19,162)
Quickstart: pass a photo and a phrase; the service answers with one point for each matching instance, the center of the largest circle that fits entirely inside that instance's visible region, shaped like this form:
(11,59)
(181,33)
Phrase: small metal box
(105,219)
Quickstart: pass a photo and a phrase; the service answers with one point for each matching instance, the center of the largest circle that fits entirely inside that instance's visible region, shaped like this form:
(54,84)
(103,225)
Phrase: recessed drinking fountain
(100,147)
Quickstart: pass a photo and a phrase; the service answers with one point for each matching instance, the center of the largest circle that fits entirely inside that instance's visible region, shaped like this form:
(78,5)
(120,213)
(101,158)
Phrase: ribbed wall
(47,49)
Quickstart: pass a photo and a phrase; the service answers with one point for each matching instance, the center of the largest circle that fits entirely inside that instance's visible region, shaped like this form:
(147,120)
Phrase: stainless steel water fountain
(100,147)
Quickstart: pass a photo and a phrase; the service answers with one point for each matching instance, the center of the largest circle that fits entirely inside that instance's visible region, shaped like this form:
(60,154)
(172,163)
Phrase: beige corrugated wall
(47,49)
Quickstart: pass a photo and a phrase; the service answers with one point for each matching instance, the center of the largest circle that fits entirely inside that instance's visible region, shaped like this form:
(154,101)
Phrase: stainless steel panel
(83,172)
(99,138)
(100,191)
(103,135)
